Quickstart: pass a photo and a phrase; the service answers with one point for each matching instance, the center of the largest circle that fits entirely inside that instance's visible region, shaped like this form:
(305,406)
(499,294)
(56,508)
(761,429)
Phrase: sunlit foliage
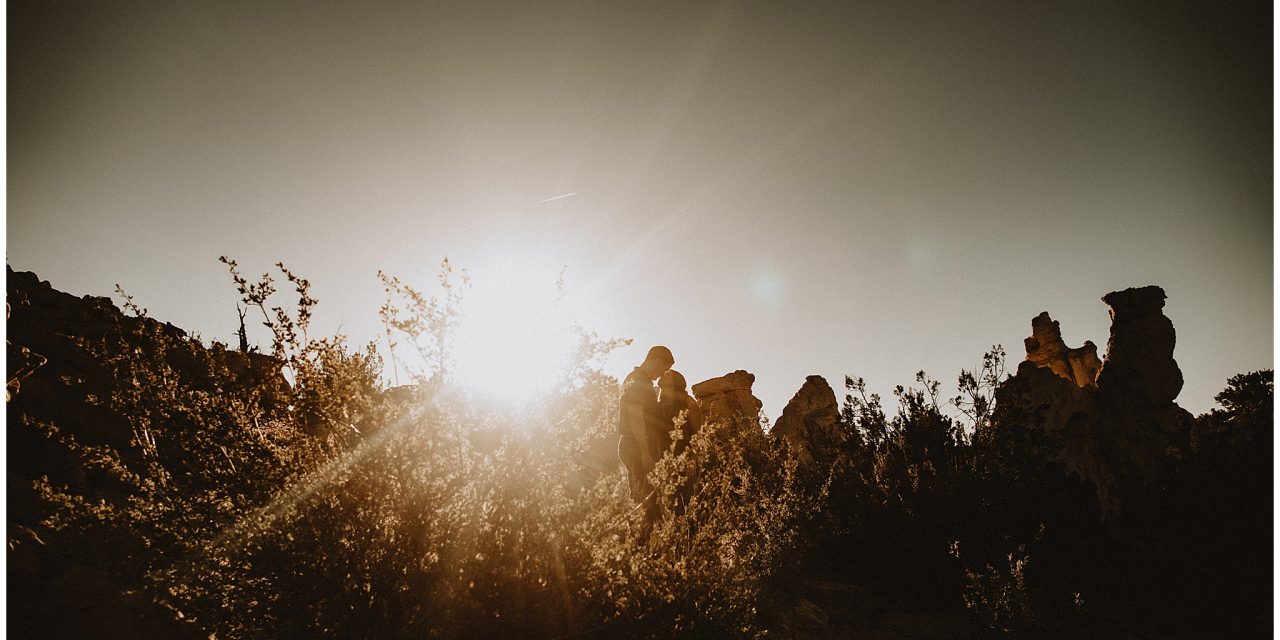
(297,496)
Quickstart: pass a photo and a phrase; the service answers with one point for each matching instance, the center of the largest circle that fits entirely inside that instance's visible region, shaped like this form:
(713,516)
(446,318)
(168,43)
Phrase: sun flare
(516,335)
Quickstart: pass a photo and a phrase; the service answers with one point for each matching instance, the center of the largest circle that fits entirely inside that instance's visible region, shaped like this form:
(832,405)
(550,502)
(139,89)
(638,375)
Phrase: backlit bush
(332,506)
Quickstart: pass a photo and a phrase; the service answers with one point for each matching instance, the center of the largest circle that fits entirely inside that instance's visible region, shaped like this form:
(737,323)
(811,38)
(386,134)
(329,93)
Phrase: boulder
(810,420)
(728,398)
(1140,362)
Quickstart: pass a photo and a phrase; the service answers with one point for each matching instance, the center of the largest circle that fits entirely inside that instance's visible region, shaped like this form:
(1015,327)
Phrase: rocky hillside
(64,365)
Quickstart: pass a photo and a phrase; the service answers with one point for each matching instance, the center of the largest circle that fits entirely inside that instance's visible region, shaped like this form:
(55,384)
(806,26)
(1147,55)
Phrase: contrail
(557,197)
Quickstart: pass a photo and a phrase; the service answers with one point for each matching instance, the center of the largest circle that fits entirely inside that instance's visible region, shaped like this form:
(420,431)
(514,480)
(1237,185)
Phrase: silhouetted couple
(646,417)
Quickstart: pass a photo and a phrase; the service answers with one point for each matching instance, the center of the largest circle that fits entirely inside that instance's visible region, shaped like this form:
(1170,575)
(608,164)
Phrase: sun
(516,335)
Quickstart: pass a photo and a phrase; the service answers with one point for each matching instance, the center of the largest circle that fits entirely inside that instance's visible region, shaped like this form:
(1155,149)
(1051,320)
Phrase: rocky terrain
(59,375)
(1110,423)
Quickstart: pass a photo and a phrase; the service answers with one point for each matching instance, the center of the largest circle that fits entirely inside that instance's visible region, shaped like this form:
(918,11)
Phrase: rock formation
(1111,425)
(810,419)
(1045,348)
(728,397)
(1140,361)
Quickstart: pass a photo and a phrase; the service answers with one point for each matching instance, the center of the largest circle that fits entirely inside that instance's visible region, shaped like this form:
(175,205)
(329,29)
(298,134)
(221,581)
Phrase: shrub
(293,495)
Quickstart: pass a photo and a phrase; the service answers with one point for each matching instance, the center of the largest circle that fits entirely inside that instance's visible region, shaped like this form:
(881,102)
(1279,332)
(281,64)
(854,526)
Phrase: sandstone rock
(1139,361)
(810,419)
(1045,348)
(728,397)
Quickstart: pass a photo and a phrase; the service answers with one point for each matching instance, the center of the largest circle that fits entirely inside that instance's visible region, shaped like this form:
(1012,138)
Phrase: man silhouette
(640,422)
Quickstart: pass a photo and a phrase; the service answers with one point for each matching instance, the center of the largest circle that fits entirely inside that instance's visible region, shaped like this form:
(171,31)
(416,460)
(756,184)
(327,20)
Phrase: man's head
(658,360)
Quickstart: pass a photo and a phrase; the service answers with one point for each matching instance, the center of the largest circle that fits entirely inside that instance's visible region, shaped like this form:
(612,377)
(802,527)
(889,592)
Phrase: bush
(330,506)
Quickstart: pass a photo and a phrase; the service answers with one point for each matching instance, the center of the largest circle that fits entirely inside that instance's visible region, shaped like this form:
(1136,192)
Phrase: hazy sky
(868,188)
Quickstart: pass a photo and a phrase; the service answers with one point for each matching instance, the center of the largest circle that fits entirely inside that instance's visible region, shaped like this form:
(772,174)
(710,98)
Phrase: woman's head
(671,380)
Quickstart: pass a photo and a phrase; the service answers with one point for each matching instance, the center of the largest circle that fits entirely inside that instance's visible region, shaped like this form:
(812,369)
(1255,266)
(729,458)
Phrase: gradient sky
(865,188)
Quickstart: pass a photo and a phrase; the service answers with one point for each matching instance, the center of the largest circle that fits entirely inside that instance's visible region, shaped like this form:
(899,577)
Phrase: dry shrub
(334,507)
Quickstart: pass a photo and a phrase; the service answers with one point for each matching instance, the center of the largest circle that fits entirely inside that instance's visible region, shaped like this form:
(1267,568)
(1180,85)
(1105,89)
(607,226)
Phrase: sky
(854,188)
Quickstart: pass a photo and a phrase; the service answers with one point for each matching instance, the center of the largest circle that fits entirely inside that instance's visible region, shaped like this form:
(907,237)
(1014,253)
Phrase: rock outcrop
(1045,348)
(728,398)
(810,419)
(1111,425)
(1140,362)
